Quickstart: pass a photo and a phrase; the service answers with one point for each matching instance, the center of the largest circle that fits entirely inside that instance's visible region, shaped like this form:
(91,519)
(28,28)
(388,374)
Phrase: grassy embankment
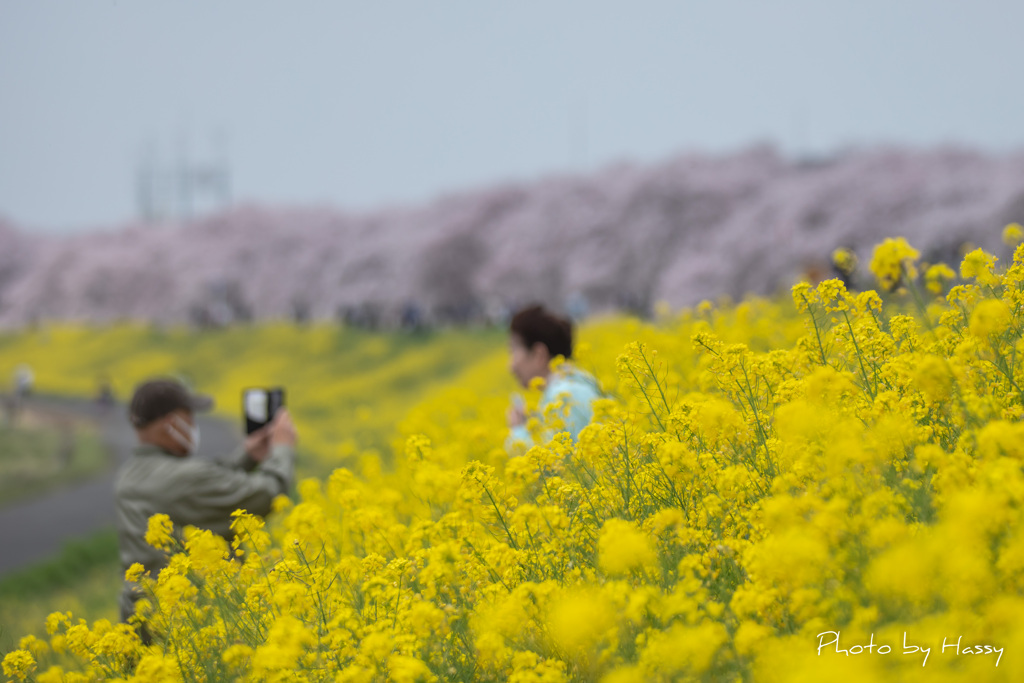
(39,453)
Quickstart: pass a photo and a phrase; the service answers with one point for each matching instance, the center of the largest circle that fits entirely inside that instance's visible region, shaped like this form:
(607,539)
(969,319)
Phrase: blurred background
(400,164)
(349,199)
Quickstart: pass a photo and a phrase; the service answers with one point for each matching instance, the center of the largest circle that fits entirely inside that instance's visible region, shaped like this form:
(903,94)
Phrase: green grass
(84,578)
(35,459)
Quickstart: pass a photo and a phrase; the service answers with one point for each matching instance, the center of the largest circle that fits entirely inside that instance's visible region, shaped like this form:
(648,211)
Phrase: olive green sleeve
(239,459)
(214,491)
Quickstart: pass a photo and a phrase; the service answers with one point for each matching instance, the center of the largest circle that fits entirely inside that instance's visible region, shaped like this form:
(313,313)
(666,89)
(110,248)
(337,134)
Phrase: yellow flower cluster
(892,260)
(845,260)
(768,492)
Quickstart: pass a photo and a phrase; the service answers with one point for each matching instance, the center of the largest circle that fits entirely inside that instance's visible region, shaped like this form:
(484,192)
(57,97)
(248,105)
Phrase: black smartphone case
(275,401)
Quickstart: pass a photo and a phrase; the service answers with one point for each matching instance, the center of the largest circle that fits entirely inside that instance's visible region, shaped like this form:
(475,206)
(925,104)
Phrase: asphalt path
(35,530)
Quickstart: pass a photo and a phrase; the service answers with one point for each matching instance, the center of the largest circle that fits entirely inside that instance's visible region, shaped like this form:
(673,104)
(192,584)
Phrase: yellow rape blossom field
(347,389)
(828,488)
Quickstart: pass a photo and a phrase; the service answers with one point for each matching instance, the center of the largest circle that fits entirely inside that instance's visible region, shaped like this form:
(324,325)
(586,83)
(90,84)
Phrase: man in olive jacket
(163,476)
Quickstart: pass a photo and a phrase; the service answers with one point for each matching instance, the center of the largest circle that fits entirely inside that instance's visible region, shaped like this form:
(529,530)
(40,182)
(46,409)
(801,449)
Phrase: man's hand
(257,444)
(515,416)
(282,429)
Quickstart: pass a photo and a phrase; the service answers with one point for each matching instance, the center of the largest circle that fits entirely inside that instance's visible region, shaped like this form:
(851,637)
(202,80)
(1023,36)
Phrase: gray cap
(158,397)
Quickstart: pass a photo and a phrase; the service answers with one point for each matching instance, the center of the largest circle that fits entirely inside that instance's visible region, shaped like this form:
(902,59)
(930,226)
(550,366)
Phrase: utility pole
(145,184)
(184,179)
(171,191)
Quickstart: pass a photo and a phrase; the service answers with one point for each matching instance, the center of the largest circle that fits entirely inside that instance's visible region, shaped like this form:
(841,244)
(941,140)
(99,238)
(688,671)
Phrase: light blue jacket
(576,390)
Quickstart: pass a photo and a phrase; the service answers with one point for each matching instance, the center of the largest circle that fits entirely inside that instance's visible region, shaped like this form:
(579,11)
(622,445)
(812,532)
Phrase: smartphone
(260,405)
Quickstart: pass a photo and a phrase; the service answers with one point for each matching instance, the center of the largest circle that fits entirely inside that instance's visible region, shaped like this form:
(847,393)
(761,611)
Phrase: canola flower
(845,260)
(762,476)
(892,260)
(1013,234)
(936,277)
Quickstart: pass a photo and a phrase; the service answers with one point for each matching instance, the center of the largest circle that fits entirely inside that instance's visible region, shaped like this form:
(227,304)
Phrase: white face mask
(185,434)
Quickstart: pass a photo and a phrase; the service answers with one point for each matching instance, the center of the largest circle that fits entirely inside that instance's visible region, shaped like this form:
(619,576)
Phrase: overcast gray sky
(360,105)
